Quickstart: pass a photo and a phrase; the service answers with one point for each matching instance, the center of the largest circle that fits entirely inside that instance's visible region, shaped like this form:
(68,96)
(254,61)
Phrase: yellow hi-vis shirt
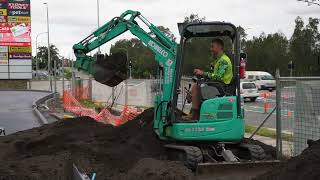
(222,71)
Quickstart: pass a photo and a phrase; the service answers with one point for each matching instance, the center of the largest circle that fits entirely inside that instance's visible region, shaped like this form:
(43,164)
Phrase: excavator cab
(218,133)
(221,115)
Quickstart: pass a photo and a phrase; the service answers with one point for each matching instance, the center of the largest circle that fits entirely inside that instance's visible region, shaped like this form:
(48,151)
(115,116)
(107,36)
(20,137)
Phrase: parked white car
(263,80)
(249,90)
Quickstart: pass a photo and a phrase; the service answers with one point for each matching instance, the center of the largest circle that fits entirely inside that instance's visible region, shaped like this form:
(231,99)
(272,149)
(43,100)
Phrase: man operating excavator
(221,72)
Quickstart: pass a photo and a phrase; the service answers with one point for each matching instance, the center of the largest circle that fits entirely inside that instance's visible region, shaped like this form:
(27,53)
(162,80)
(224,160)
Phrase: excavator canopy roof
(207,29)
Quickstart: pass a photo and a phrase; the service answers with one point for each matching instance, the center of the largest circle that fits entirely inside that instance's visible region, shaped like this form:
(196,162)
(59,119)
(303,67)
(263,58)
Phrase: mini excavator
(217,136)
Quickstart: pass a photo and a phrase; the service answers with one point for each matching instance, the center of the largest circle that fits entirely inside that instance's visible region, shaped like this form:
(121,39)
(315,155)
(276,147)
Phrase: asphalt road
(255,112)
(16,113)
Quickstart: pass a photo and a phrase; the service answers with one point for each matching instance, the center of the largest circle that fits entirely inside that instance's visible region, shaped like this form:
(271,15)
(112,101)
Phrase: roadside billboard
(15,39)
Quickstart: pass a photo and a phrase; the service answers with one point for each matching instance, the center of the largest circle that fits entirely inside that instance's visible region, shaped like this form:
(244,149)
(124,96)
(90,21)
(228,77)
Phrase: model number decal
(200,129)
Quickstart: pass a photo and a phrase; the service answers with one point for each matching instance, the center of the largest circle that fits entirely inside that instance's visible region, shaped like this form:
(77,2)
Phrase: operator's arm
(219,73)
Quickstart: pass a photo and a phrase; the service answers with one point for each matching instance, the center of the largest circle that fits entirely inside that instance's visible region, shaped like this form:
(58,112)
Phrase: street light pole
(49,53)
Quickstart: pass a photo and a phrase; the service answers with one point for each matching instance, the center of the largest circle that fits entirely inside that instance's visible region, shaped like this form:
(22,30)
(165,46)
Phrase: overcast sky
(73,20)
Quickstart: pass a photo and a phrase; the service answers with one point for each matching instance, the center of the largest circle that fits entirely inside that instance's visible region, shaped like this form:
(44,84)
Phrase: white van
(263,80)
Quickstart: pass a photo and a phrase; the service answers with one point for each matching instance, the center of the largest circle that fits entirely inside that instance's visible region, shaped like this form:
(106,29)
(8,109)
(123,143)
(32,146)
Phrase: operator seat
(210,90)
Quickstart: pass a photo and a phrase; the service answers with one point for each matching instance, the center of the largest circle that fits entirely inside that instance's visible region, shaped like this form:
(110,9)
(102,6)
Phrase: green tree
(42,56)
(194,18)
(267,52)
(142,58)
(166,32)
(304,47)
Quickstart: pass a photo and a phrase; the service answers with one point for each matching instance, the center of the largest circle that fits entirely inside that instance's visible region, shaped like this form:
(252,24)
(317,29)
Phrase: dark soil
(131,151)
(306,166)
(49,151)
(152,169)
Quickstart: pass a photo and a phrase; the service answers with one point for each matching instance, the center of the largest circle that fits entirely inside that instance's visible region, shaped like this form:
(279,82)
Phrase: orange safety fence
(71,104)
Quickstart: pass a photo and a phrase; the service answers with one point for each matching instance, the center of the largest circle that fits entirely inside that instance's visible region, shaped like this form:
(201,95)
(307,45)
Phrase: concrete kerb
(42,119)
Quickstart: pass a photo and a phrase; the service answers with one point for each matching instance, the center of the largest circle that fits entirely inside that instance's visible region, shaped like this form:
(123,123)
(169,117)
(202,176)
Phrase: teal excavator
(219,132)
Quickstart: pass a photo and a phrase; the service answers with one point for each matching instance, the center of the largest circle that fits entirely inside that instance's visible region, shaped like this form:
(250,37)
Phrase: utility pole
(49,53)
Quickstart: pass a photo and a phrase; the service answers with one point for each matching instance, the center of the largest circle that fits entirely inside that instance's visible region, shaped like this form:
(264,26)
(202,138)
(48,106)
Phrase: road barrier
(71,104)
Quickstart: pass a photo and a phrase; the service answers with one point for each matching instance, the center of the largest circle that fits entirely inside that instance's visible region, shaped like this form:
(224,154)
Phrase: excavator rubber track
(256,152)
(192,155)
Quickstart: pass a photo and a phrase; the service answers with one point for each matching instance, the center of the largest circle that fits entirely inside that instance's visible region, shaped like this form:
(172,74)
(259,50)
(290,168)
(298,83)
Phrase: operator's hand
(198,72)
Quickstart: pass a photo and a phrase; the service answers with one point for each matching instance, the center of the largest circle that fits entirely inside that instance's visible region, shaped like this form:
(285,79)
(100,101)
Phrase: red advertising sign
(5,29)
(17,34)
(19,6)
(15,43)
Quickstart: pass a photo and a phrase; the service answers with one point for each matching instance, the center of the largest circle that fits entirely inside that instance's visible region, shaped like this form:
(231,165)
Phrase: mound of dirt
(131,151)
(153,169)
(306,166)
(48,152)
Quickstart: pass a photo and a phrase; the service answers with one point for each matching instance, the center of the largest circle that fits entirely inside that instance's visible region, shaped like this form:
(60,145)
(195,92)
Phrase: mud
(306,166)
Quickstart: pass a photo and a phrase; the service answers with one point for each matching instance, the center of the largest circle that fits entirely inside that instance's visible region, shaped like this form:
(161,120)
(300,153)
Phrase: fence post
(278,115)
(29,84)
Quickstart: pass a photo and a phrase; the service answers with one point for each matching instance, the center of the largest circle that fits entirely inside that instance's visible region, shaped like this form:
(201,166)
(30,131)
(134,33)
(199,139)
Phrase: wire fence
(298,115)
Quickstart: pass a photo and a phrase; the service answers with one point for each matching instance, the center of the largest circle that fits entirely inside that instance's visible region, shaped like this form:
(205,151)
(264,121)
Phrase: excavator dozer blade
(234,170)
(110,70)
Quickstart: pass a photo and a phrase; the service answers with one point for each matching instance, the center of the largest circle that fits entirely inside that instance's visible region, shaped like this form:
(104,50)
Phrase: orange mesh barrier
(71,104)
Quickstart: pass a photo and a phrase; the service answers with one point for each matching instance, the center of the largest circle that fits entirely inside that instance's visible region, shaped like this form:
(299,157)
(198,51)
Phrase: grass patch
(92,105)
(267,132)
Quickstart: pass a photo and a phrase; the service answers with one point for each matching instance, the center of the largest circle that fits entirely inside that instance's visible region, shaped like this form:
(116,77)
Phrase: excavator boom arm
(163,48)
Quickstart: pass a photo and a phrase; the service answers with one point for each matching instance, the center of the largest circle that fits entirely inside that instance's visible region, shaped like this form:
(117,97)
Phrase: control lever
(185,99)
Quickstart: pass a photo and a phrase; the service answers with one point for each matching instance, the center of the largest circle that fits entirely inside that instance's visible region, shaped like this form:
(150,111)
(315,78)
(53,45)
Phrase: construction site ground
(131,151)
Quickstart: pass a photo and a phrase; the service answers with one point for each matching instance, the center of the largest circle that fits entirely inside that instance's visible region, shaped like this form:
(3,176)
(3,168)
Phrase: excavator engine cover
(110,70)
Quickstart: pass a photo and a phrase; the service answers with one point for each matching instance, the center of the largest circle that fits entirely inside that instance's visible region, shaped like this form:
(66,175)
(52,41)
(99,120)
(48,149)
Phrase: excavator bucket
(110,70)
